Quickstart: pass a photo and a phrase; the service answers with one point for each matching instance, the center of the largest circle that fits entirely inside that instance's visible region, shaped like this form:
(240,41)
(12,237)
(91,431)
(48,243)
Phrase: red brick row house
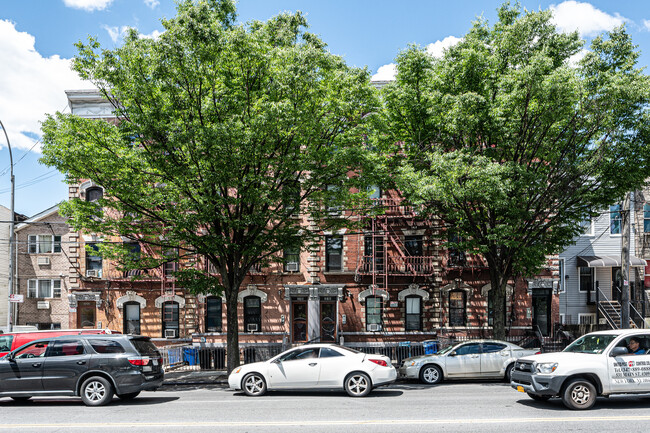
(393,280)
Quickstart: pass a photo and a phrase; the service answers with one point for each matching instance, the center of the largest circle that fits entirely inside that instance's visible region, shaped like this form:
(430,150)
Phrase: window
(213,318)
(493,347)
(43,288)
(326,352)
(413,313)
(332,197)
(413,245)
(94,193)
(106,346)
(491,309)
(586,279)
(646,218)
(586,318)
(375,192)
(299,354)
(44,326)
(562,275)
(41,244)
(252,314)
(132,318)
(374,307)
(292,260)
(93,261)
(34,350)
(171,266)
(373,249)
(587,227)
(456,308)
(327,320)
(469,349)
(299,321)
(334,253)
(456,256)
(615,219)
(170,319)
(66,348)
(5,342)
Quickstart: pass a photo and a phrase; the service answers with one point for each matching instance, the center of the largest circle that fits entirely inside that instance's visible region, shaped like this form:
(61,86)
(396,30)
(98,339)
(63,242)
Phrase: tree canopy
(514,142)
(222,133)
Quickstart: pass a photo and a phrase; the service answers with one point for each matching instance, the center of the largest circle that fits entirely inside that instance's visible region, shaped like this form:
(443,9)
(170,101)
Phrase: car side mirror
(452,354)
(11,357)
(618,351)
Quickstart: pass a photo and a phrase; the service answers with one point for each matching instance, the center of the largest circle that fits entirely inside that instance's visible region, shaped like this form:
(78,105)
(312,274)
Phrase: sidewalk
(198,377)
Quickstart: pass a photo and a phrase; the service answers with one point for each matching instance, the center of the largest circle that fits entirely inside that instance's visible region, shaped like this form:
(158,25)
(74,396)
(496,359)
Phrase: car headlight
(546,367)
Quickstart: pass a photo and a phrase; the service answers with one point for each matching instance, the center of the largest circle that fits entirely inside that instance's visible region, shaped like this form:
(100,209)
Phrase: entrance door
(299,321)
(617,283)
(86,315)
(327,321)
(542,310)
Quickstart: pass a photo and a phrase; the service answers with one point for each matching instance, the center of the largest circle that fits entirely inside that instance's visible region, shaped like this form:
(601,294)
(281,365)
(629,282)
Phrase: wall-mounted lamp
(344,319)
(282,319)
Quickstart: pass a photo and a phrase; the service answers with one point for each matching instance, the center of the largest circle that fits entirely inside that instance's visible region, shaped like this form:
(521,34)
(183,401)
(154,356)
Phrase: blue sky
(37,37)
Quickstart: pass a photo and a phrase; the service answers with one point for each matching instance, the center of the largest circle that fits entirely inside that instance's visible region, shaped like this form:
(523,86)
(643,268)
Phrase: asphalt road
(402,407)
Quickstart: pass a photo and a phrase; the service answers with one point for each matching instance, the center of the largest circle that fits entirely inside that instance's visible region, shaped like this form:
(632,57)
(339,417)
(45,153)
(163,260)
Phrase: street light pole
(12,243)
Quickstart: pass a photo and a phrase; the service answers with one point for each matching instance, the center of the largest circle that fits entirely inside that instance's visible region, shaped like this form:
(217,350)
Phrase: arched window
(413,313)
(374,310)
(131,318)
(170,319)
(213,318)
(252,314)
(456,308)
(94,193)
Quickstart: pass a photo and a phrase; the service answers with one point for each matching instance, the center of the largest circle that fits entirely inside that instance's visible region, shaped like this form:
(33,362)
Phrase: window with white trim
(586,318)
(587,227)
(41,244)
(413,313)
(586,279)
(43,288)
(562,275)
(646,218)
(615,219)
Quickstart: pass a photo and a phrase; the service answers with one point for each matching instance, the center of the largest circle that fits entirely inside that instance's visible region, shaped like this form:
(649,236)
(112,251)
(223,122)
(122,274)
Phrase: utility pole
(12,243)
(625,262)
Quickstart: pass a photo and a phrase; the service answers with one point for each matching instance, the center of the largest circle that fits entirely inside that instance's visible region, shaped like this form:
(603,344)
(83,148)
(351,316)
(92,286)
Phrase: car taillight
(379,362)
(139,361)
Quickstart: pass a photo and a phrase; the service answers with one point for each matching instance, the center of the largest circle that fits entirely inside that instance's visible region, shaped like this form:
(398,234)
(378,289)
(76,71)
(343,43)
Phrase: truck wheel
(431,374)
(538,397)
(579,394)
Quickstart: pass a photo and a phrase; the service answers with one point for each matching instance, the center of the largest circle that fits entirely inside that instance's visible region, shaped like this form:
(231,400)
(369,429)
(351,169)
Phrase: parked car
(472,359)
(94,367)
(315,366)
(595,364)
(13,340)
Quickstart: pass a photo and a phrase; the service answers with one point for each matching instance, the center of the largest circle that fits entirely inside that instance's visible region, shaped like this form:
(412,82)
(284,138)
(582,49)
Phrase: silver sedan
(472,359)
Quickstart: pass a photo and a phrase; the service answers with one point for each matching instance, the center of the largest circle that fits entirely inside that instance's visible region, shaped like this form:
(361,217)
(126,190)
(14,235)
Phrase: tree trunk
(498,282)
(232,328)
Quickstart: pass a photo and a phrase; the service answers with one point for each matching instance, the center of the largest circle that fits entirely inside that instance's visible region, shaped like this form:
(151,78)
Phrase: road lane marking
(329,422)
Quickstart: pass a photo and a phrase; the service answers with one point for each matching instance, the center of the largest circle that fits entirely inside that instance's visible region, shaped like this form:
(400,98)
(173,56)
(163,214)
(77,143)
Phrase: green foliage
(223,133)
(512,143)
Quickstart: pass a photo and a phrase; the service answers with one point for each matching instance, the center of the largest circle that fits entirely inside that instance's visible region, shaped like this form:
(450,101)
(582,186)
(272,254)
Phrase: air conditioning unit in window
(292,267)
(171,333)
(251,327)
(91,272)
(43,260)
(374,327)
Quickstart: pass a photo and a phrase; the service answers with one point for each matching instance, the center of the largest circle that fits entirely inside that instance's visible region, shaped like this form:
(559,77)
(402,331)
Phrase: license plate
(146,368)
(520,389)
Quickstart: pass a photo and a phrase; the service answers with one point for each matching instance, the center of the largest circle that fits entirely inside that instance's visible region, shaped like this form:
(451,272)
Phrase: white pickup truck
(596,364)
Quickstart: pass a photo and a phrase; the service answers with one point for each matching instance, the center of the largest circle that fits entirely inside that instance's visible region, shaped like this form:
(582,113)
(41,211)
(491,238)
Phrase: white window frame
(34,289)
(589,232)
(593,279)
(34,244)
(584,315)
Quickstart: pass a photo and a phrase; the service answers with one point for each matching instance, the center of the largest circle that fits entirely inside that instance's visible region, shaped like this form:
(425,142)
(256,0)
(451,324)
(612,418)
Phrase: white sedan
(472,359)
(315,366)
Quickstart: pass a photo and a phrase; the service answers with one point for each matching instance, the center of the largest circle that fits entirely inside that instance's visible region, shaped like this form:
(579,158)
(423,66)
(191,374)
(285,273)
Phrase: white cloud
(31,86)
(646,24)
(152,3)
(385,73)
(571,15)
(88,5)
(575,59)
(153,35)
(116,33)
(437,49)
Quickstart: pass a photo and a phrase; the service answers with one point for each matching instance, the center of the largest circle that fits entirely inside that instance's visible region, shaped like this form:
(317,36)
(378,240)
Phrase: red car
(13,340)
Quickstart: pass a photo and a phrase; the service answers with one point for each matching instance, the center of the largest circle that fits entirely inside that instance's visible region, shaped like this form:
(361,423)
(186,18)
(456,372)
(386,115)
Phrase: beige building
(43,270)
(5,217)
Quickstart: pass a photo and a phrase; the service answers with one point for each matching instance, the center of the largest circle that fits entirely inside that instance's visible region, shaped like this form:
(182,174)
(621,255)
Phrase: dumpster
(191,355)
(430,347)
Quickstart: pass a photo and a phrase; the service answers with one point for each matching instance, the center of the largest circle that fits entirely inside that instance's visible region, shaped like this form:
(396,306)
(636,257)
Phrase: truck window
(5,342)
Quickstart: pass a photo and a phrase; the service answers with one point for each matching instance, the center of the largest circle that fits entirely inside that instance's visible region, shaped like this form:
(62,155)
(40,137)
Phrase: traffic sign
(14,297)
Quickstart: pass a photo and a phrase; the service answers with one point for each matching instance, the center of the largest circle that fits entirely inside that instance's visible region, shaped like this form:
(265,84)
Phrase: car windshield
(595,343)
(446,349)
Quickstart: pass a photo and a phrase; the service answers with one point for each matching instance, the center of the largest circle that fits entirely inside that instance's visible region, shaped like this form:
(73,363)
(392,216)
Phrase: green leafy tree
(514,143)
(223,133)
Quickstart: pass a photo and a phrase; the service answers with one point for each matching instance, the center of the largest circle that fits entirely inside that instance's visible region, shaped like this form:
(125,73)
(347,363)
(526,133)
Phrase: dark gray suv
(93,367)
